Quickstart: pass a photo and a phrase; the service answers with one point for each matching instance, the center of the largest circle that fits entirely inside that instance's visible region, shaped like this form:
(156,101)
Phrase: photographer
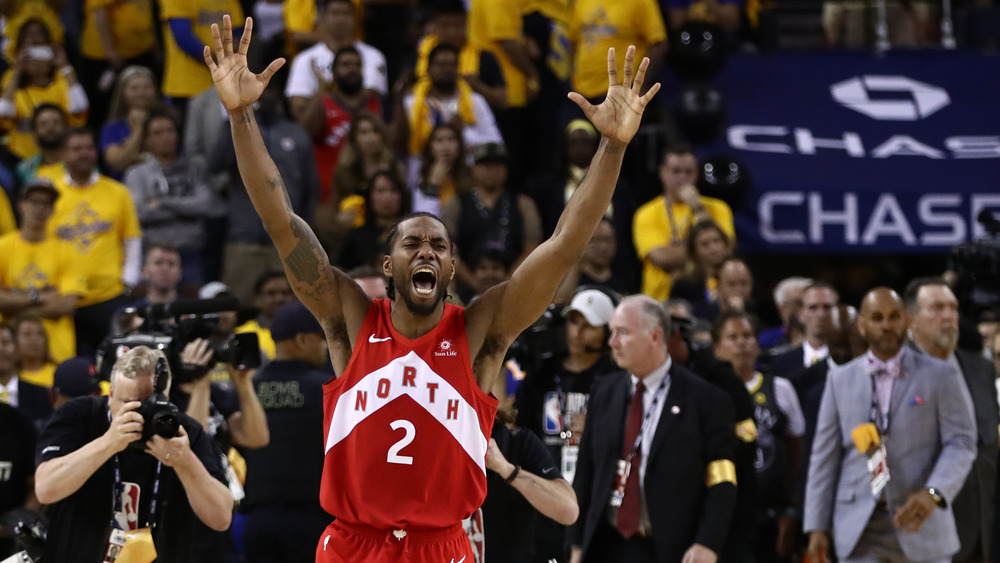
(99,486)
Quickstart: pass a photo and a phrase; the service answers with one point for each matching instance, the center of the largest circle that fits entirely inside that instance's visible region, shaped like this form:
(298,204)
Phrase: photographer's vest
(772,426)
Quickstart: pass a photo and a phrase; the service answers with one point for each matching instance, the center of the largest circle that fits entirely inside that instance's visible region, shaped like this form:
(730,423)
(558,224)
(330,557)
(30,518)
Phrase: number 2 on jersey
(393,455)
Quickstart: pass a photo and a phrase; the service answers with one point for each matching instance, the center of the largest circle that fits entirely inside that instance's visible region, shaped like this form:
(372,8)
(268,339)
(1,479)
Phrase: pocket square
(916,400)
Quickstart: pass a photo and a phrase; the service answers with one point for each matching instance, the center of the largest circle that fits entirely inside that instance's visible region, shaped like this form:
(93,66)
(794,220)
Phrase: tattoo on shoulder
(304,260)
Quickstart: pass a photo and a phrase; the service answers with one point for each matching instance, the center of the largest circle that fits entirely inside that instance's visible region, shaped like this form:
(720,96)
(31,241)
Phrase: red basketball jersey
(407,428)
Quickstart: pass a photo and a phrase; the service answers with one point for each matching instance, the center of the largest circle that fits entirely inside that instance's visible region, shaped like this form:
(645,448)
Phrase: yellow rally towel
(468,57)
(866,437)
(420,117)
(138,548)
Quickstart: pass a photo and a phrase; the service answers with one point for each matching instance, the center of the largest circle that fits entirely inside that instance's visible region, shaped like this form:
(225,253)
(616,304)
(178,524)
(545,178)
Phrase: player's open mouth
(424,281)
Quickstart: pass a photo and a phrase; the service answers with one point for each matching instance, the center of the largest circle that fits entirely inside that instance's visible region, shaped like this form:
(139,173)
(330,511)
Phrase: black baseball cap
(291,319)
(42,185)
(75,378)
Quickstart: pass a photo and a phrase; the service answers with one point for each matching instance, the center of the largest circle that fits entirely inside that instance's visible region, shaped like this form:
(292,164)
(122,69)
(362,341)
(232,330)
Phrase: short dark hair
(366,271)
(726,316)
(80,132)
(153,116)
(265,277)
(676,149)
(913,289)
(162,246)
(346,51)
(42,108)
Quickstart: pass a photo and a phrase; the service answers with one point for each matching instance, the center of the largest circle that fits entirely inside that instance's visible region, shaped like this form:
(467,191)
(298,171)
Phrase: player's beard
(419,309)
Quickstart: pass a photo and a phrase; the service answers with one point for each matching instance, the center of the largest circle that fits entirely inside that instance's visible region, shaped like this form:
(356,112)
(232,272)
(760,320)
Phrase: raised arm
(519,302)
(330,295)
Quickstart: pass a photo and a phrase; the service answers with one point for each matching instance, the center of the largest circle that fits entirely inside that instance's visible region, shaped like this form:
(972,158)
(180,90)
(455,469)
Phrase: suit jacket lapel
(901,385)
(619,403)
(674,398)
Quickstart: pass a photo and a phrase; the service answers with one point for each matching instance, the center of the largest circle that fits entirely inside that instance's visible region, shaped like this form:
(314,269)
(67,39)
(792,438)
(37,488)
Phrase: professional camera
(977,264)
(171,327)
(159,415)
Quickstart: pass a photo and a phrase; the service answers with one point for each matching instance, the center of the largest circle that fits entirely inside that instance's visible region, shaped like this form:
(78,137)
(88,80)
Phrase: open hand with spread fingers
(237,86)
(618,116)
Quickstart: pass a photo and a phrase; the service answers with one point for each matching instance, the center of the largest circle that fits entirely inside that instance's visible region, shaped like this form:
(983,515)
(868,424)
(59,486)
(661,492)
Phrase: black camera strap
(116,500)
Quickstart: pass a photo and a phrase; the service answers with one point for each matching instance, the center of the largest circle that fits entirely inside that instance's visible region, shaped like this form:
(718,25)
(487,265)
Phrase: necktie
(628,512)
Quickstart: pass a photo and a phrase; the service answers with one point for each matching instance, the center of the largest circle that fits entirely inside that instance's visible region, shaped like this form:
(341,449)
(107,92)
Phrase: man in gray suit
(924,414)
(934,330)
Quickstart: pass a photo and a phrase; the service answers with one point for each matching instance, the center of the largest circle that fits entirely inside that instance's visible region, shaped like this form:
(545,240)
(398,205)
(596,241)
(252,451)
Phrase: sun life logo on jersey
(444,349)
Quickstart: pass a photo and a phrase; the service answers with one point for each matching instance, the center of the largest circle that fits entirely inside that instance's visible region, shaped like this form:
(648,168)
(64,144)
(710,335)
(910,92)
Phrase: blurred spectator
(660,227)
(48,127)
(284,517)
(386,202)
(327,114)
(987,327)
(849,24)
(491,218)
(365,153)
(372,281)
(336,24)
(677,499)
(17,458)
(551,192)
(249,251)
(596,26)
(724,13)
(596,265)
(161,270)
(41,75)
(934,329)
(818,302)
(448,25)
(442,96)
(32,400)
(788,301)
(73,378)
(488,269)
(42,274)
(171,195)
(523,483)
(96,216)
(7,222)
(205,120)
(698,282)
(735,287)
(135,96)
(116,35)
(187,28)
(498,26)
(271,291)
(930,447)
(780,426)
(678,308)
(443,172)
(34,362)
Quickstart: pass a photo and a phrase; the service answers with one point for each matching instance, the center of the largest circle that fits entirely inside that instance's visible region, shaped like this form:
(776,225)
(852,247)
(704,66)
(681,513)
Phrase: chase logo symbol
(919,99)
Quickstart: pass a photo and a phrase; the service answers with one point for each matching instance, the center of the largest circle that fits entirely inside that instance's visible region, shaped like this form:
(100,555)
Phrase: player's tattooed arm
(307,265)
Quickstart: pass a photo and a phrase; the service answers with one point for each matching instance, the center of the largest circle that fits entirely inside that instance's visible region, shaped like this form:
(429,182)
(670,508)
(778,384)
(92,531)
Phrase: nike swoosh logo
(374,340)
(459,561)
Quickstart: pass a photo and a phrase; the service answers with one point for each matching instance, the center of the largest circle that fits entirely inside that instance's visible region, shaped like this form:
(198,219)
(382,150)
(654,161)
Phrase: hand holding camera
(126,426)
(174,452)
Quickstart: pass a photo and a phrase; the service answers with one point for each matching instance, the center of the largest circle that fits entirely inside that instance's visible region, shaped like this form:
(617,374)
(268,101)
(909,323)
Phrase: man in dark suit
(934,329)
(818,303)
(660,444)
(32,400)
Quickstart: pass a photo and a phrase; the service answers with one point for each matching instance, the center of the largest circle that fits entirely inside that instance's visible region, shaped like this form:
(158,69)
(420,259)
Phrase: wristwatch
(938,499)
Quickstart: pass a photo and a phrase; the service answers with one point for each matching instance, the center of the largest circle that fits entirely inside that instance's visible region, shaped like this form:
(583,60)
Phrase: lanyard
(674,231)
(116,500)
(646,418)
(882,422)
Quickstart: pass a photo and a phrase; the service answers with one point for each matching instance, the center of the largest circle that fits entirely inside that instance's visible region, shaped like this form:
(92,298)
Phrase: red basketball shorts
(354,543)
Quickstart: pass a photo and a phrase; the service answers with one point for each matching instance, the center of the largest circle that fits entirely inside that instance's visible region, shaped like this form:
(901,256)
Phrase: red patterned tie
(628,512)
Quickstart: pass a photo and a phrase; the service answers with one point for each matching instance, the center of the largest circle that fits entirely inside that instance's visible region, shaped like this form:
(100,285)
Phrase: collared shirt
(812,355)
(8,393)
(652,383)
(884,372)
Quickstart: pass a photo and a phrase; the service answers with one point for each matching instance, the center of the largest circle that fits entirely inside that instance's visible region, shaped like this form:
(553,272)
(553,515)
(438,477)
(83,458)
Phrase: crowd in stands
(121,190)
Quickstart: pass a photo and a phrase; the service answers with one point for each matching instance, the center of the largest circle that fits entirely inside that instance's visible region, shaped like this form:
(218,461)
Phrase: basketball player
(408,420)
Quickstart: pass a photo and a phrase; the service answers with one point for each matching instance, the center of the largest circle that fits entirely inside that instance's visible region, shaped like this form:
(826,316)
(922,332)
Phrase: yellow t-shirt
(131,28)
(300,17)
(651,228)
(491,21)
(20,141)
(50,264)
(7,222)
(42,376)
(96,220)
(186,77)
(263,337)
(597,25)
